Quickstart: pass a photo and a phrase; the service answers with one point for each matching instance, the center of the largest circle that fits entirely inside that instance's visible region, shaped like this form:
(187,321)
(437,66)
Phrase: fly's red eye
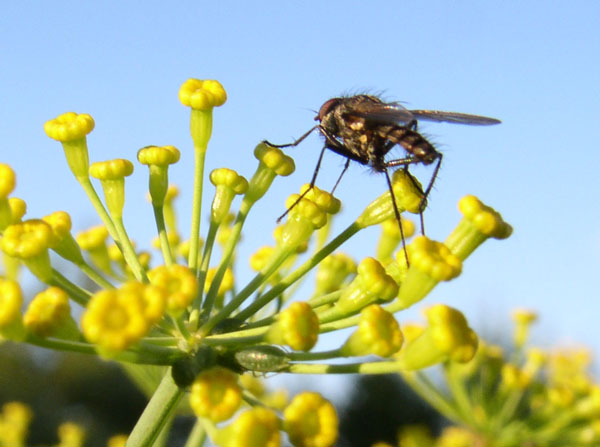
(327,107)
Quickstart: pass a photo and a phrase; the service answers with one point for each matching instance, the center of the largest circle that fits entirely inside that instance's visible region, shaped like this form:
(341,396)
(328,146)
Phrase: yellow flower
(228,184)
(117,441)
(27,239)
(272,162)
(297,326)
(8,180)
(71,435)
(14,423)
(378,333)
(311,421)
(11,299)
(216,394)
(47,312)
(448,337)
(202,95)
(371,284)
(479,223)
(180,284)
(117,319)
(257,427)
(69,126)
(430,263)
(332,272)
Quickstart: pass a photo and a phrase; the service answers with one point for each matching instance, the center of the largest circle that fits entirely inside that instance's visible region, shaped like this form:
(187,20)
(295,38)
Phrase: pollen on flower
(69,126)
(297,326)
(47,312)
(216,394)
(311,421)
(179,283)
(202,95)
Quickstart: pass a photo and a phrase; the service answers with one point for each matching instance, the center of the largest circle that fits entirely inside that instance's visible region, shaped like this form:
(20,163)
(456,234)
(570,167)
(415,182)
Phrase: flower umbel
(202,323)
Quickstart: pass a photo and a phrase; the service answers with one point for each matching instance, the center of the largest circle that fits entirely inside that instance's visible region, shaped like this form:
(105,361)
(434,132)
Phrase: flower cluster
(524,397)
(192,316)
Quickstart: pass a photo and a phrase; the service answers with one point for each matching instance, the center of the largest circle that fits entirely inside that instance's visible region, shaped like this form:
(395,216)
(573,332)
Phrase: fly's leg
(341,175)
(397,213)
(295,143)
(311,186)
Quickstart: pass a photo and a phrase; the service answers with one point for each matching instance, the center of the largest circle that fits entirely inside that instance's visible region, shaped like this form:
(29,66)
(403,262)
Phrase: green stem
(95,276)
(165,247)
(79,295)
(256,282)
(147,354)
(347,368)
(155,415)
(197,436)
(87,186)
(208,247)
(428,392)
(321,300)
(299,272)
(199,159)
(129,253)
(310,356)
(227,254)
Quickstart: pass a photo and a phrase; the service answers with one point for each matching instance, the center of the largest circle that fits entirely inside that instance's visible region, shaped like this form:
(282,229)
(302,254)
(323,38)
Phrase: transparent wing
(388,113)
(453,117)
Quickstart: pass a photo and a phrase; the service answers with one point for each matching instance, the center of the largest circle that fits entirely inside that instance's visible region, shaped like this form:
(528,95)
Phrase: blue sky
(534,65)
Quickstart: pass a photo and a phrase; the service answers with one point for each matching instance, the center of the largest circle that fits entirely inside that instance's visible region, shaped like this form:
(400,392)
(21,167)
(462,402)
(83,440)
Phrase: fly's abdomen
(414,143)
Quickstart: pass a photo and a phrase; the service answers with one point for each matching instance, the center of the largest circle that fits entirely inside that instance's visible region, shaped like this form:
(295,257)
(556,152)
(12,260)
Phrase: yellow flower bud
(479,223)
(371,284)
(257,427)
(179,282)
(47,312)
(311,421)
(297,326)
(273,162)
(430,263)
(216,394)
(69,126)
(448,337)
(332,272)
(378,333)
(228,184)
(158,155)
(202,95)
(71,435)
(11,299)
(8,180)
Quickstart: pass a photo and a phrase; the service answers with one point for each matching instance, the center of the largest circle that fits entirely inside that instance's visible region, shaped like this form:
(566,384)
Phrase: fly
(363,128)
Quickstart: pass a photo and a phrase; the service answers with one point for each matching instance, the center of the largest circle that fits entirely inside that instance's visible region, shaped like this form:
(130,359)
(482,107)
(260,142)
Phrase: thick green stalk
(155,415)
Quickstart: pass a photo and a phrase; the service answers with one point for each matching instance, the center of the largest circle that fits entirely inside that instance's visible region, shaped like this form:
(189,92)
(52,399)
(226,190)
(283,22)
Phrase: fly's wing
(453,117)
(381,112)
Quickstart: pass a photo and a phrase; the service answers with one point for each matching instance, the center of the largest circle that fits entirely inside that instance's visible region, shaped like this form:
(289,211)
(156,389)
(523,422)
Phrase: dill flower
(311,421)
(257,427)
(216,394)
